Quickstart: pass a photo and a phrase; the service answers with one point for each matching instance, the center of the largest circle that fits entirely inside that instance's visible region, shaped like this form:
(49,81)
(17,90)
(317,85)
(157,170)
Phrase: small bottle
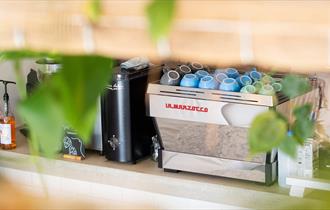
(1,122)
(7,123)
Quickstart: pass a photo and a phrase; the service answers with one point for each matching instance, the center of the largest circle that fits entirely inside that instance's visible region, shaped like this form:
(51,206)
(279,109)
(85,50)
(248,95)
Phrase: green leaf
(294,86)
(94,10)
(303,126)
(23,54)
(160,14)
(303,129)
(68,98)
(303,112)
(45,120)
(281,116)
(267,131)
(78,87)
(289,146)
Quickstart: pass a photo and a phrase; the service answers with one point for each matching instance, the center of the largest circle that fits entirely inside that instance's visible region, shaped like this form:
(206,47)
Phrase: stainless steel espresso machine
(205,131)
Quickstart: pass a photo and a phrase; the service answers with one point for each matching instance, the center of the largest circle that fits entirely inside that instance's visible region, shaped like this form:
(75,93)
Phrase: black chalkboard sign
(72,144)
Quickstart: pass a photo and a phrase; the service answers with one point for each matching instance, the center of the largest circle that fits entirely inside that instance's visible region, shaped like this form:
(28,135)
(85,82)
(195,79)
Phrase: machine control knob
(113,142)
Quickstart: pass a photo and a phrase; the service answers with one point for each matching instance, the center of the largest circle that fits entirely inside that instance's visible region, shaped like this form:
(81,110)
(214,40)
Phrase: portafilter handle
(6,96)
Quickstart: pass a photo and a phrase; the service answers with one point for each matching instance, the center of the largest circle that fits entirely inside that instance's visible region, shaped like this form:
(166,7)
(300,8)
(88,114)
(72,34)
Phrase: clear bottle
(7,124)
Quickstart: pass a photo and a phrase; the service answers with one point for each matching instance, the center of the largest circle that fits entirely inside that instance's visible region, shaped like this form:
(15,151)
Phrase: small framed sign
(73,146)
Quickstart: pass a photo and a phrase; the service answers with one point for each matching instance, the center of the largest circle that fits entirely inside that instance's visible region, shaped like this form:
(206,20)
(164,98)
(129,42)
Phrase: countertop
(146,176)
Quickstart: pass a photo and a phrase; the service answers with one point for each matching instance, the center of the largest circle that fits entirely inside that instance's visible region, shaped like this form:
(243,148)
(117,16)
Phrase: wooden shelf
(299,184)
(96,177)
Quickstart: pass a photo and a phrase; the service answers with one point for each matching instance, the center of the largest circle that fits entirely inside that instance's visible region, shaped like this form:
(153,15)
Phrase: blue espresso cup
(230,84)
(194,66)
(255,75)
(201,73)
(244,80)
(183,69)
(170,78)
(232,73)
(252,69)
(189,80)
(219,77)
(217,71)
(208,82)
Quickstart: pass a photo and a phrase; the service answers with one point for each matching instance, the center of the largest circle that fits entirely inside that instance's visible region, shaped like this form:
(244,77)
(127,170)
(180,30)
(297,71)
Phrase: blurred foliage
(289,145)
(294,86)
(21,54)
(270,129)
(93,10)
(303,126)
(67,98)
(160,14)
(267,131)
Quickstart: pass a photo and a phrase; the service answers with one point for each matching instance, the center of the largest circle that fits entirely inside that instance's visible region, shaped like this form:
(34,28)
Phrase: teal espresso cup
(244,80)
(267,80)
(277,86)
(189,80)
(208,82)
(258,85)
(229,84)
(267,90)
(248,89)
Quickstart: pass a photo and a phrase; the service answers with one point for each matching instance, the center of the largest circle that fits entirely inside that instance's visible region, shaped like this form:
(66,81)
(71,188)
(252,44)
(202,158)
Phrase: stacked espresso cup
(195,75)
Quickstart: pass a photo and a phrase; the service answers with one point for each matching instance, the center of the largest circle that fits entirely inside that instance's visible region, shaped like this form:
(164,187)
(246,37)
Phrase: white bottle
(286,166)
(304,165)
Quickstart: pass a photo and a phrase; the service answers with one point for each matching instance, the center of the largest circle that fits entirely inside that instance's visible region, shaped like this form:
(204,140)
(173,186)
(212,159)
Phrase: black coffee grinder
(127,131)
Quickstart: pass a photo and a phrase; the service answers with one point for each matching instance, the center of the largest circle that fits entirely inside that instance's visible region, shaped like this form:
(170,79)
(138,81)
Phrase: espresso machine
(127,130)
(206,131)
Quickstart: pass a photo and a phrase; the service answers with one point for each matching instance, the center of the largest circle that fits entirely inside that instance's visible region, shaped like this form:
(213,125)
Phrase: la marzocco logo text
(186,107)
